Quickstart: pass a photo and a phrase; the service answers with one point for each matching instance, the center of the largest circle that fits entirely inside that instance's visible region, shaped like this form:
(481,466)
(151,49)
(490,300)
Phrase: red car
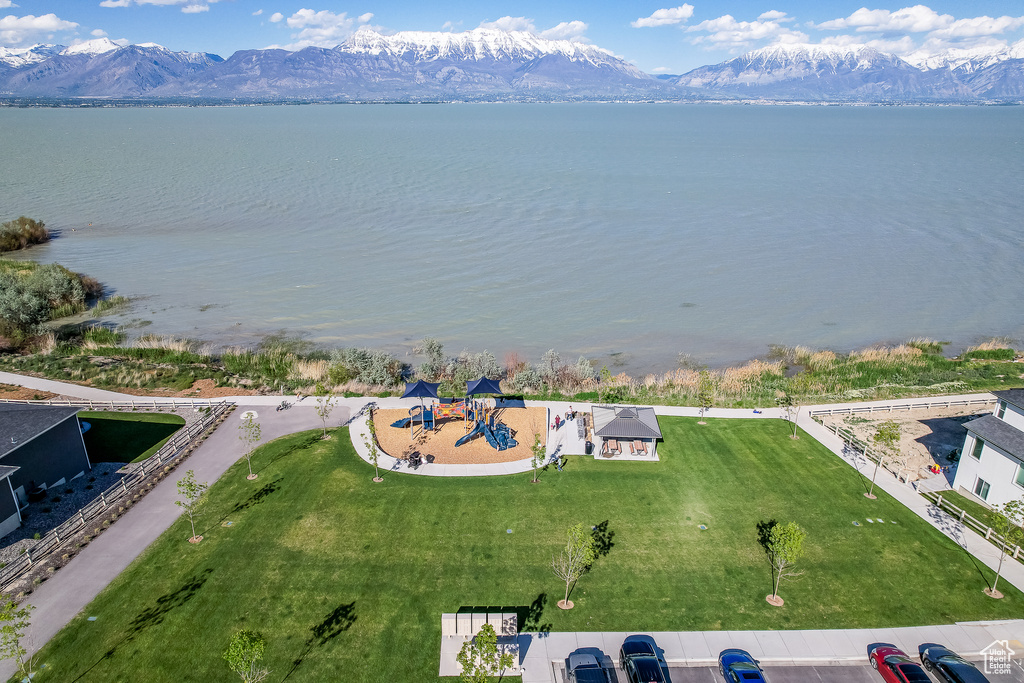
(895,666)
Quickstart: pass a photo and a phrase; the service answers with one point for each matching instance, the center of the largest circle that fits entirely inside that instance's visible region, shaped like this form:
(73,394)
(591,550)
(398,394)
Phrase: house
(41,446)
(626,429)
(991,467)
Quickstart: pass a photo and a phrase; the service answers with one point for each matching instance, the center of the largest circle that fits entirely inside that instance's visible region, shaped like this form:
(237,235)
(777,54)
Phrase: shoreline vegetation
(37,338)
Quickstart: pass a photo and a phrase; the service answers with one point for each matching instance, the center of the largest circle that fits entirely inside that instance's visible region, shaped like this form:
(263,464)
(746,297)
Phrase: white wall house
(991,467)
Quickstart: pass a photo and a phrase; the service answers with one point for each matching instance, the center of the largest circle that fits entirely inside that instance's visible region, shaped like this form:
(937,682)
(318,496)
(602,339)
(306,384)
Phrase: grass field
(127,437)
(347,579)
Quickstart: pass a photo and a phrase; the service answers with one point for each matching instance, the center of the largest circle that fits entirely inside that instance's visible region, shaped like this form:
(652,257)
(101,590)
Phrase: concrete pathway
(64,595)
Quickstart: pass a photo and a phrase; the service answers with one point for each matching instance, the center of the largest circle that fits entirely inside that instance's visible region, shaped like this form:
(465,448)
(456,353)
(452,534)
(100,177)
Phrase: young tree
(14,622)
(705,394)
(192,491)
(604,383)
(481,659)
(1007,522)
(371,445)
(789,406)
(324,404)
(570,564)
(244,654)
(886,440)
(784,544)
(249,433)
(539,451)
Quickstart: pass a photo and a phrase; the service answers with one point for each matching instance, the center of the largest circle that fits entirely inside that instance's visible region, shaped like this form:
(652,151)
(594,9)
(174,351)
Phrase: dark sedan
(949,667)
(895,666)
(640,662)
(737,666)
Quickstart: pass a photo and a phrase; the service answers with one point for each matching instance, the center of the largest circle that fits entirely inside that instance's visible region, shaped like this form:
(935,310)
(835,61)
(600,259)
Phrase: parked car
(737,666)
(895,666)
(584,668)
(640,662)
(950,667)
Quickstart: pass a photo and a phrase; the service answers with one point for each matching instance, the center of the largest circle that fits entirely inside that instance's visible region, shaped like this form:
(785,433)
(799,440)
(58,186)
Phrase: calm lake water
(641,230)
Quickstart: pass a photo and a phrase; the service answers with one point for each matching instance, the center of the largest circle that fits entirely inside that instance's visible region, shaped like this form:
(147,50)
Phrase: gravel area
(64,501)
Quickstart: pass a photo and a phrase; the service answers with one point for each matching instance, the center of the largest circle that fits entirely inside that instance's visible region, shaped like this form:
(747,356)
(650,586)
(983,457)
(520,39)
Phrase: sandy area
(14,393)
(927,435)
(439,446)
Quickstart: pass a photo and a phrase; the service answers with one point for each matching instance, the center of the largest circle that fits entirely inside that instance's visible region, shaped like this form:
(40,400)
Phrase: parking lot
(796,674)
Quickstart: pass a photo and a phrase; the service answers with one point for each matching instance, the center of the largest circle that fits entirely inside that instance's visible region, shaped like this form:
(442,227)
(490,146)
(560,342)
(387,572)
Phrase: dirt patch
(439,445)
(928,435)
(14,393)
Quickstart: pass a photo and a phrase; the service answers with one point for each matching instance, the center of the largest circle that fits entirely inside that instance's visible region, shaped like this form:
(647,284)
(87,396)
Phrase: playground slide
(478,428)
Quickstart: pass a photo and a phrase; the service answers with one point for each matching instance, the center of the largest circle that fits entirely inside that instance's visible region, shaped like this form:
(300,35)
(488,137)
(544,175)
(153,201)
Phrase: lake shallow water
(642,230)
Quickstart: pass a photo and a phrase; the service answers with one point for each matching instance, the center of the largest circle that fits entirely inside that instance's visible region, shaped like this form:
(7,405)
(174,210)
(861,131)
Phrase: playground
(486,437)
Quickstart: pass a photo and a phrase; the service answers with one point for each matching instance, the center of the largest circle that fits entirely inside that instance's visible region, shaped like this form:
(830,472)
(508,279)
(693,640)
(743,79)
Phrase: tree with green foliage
(789,406)
(481,658)
(249,433)
(574,560)
(784,544)
(705,394)
(433,368)
(244,654)
(539,454)
(1007,522)
(886,439)
(192,492)
(14,622)
(324,404)
(22,232)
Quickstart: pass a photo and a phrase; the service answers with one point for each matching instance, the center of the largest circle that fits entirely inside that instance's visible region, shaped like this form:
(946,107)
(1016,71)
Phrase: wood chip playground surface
(439,445)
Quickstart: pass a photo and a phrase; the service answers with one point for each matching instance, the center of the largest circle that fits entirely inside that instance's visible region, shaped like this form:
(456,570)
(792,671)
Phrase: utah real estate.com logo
(998,657)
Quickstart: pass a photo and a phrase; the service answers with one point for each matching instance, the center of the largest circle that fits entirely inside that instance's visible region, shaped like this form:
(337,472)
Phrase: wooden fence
(909,405)
(128,484)
(934,497)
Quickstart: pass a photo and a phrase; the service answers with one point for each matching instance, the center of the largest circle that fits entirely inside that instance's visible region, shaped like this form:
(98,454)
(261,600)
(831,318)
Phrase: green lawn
(348,579)
(974,509)
(127,437)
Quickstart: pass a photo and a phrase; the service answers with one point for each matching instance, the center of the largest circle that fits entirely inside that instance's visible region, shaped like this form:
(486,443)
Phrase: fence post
(988,533)
(1016,552)
(142,468)
(81,516)
(103,498)
(938,500)
(124,485)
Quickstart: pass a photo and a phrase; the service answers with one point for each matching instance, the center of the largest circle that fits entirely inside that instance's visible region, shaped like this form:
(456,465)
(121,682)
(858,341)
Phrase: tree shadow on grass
(256,498)
(602,536)
(764,530)
(155,615)
(301,445)
(339,620)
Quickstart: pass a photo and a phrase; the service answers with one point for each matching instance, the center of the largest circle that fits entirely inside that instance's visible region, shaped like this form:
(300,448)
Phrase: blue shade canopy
(483,386)
(421,389)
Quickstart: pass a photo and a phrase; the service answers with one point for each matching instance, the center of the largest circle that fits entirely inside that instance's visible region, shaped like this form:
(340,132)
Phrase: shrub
(22,232)
(990,354)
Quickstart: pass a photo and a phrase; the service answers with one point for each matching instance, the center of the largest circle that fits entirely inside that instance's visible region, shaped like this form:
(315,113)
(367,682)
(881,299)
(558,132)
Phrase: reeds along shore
(104,357)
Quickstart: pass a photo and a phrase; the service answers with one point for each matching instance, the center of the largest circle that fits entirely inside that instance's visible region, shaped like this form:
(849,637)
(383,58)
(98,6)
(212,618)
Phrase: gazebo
(618,428)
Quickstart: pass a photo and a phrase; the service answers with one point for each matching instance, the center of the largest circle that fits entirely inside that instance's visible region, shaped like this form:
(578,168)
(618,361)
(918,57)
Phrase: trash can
(590,448)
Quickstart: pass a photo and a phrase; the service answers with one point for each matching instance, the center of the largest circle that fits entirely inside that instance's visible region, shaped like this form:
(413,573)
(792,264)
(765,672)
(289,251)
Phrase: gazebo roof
(626,422)
(483,386)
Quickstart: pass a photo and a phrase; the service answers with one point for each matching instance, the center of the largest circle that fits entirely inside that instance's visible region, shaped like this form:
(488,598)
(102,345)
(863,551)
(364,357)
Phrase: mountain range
(490,64)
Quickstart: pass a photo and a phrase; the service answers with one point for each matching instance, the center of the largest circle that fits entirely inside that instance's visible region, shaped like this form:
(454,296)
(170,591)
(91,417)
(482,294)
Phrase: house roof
(626,422)
(991,429)
(1014,396)
(20,422)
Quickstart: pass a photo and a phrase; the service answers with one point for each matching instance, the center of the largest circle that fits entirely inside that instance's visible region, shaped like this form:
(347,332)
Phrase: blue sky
(658,38)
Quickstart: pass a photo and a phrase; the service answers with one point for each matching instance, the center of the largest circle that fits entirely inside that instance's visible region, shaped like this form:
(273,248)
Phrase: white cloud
(187,6)
(661,70)
(6,3)
(979,26)
(726,32)
(17,30)
(916,19)
(451,25)
(511,24)
(774,15)
(98,32)
(567,30)
(900,46)
(665,17)
(319,29)
(257,13)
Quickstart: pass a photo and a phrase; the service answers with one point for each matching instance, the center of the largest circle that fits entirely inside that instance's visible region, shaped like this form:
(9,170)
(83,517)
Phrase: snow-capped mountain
(965,60)
(824,72)
(489,64)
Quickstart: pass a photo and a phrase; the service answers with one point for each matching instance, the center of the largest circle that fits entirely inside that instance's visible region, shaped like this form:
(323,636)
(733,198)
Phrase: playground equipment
(496,433)
(453,409)
(416,415)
